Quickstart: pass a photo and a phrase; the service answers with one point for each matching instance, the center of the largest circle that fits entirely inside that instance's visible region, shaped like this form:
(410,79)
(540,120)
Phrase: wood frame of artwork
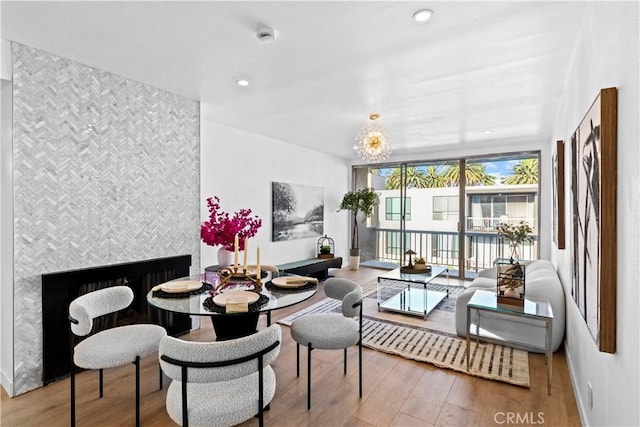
(594,183)
(558,197)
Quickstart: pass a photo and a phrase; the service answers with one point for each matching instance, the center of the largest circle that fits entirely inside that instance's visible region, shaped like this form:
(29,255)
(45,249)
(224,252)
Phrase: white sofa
(541,282)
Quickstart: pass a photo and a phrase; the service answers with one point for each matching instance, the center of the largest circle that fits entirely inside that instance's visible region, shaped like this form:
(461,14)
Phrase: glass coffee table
(414,298)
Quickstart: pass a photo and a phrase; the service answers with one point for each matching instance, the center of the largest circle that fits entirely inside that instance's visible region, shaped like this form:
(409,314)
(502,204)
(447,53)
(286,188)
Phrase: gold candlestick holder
(229,275)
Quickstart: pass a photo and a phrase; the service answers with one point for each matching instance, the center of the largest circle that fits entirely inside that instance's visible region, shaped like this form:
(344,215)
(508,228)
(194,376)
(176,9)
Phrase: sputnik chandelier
(372,142)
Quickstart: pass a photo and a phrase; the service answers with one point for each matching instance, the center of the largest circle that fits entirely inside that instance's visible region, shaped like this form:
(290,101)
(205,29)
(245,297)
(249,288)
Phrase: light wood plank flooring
(397,392)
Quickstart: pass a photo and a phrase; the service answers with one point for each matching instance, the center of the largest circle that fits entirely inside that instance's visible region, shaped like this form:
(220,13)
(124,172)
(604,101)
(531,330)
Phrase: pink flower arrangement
(221,228)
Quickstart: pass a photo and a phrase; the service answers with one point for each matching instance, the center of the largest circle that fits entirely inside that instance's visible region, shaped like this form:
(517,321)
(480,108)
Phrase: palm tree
(434,177)
(475,174)
(525,172)
(415,178)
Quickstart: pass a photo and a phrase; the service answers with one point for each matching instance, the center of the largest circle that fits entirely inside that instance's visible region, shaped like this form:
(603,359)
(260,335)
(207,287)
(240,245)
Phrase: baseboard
(7,384)
(581,408)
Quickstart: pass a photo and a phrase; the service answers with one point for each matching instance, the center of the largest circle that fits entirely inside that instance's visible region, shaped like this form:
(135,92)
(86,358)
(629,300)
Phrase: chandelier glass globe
(372,142)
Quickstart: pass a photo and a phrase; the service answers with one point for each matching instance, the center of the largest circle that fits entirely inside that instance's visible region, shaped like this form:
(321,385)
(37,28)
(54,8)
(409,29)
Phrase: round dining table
(230,325)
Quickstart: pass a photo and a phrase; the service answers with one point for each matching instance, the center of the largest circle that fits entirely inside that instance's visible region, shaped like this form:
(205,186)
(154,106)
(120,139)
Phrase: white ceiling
(474,66)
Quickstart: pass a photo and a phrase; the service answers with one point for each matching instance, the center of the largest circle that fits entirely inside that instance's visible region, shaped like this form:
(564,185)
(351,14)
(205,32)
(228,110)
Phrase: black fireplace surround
(60,288)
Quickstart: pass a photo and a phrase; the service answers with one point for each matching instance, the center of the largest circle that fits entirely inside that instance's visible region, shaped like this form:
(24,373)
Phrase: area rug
(427,341)
(442,319)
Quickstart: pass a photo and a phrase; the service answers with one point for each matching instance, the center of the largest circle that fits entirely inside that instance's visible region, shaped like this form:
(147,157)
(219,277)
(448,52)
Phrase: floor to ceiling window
(448,217)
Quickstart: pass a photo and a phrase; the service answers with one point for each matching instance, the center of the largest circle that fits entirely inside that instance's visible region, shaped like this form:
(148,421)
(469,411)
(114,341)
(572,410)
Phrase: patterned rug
(429,341)
(442,319)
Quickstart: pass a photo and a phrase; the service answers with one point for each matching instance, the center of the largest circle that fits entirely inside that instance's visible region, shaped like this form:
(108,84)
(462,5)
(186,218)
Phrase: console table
(314,267)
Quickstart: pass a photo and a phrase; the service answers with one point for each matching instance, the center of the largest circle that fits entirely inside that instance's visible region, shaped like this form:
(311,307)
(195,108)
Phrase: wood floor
(397,392)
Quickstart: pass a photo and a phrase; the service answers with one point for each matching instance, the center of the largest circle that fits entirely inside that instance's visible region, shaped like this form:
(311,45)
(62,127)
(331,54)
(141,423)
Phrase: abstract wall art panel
(593,148)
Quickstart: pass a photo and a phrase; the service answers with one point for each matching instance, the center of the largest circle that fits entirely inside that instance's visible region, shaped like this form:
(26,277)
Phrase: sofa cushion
(482,283)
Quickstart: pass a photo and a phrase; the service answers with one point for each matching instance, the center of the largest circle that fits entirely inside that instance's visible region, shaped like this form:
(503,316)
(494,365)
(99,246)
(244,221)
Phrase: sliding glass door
(509,194)
(445,216)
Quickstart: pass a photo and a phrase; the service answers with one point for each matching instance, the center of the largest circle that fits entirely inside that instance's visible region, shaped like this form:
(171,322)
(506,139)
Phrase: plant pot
(325,256)
(354,262)
(354,258)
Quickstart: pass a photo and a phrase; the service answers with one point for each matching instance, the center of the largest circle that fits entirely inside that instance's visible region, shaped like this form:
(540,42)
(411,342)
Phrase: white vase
(515,253)
(225,257)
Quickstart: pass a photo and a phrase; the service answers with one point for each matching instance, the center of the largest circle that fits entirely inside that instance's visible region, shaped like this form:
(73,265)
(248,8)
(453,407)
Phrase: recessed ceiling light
(487,131)
(422,15)
(242,82)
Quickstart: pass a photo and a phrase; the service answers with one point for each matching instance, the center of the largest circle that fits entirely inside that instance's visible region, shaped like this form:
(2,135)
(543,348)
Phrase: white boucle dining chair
(112,347)
(220,383)
(331,331)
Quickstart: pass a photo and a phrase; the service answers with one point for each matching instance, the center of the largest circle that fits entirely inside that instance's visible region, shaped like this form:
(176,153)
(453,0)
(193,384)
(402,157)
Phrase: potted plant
(361,201)
(325,249)
(516,235)
(420,264)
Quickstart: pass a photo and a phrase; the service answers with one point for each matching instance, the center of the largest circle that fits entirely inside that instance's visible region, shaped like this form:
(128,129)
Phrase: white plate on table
(289,281)
(235,296)
(181,286)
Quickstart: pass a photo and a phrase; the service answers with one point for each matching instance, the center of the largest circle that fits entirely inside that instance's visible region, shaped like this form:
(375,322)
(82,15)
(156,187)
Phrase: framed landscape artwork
(593,179)
(558,196)
(298,211)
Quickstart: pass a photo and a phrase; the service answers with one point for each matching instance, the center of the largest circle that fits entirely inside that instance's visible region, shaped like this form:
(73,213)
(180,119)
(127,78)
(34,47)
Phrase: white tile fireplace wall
(106,170)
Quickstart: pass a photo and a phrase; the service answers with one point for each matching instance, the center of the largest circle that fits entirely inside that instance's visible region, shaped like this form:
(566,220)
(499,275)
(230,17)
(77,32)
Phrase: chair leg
(73,395)
(137,363)
(309,376)
(297,360)
(345,361)
(101,381)
(360,365)
(160,375)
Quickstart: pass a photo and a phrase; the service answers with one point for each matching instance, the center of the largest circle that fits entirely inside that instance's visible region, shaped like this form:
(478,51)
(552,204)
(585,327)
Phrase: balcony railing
(442,248)
(490,224)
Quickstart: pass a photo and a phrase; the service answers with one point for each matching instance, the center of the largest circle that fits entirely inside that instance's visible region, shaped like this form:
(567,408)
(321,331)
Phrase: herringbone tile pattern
(106,170)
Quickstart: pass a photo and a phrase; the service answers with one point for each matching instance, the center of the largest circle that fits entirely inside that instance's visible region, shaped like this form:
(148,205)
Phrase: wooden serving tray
(407,270)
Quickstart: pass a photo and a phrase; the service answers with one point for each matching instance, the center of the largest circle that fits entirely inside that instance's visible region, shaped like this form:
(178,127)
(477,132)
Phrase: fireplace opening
(59,289)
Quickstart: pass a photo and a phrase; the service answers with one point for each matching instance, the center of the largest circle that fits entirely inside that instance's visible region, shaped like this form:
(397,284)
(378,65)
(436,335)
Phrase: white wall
(6,223)
(239,167)
(606,55)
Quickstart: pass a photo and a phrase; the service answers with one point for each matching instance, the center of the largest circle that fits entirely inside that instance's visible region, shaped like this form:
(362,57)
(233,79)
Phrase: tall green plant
(359,201)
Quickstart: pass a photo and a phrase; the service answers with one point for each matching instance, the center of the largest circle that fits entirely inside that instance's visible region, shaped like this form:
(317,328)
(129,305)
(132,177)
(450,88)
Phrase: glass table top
(487,300)
(414,277)
(192,304)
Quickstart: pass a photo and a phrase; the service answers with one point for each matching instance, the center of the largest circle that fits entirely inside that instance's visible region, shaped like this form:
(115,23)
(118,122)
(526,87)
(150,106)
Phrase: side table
(534,310)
